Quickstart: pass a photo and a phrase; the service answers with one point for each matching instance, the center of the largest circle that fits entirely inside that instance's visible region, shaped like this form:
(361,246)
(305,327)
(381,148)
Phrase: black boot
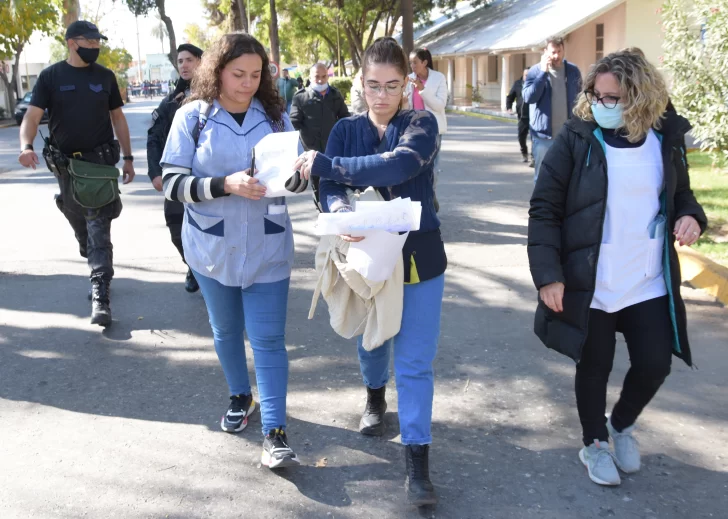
(419,488)
(100,301)
(372,421)
(525,157)
(190,282)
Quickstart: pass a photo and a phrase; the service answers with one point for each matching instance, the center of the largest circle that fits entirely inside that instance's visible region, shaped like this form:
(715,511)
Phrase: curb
(472,113)
(704,273)
(8,124)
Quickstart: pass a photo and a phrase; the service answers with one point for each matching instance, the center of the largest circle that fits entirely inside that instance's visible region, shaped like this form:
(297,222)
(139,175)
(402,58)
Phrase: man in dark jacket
(315,111)
(516,94)
(551,89)
(188,59)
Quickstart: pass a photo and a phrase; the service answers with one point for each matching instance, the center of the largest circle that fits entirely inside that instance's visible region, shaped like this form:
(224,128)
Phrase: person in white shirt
(427,90)
(612,199)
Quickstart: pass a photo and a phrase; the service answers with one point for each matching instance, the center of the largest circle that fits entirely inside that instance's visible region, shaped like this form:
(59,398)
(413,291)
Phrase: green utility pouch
(94,185)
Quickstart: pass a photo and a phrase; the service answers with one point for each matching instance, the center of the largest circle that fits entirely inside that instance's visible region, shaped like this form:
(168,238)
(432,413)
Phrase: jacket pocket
(275,226)
(203,239)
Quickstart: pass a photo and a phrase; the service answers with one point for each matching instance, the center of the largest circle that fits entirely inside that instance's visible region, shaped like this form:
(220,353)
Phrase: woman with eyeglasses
(612,199)
(393,150)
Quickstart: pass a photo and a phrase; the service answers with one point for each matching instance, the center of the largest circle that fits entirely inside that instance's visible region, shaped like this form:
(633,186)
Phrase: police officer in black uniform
(84,105)
(188,59)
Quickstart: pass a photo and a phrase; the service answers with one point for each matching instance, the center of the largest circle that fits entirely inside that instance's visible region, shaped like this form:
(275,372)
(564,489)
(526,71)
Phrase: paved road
(125,423)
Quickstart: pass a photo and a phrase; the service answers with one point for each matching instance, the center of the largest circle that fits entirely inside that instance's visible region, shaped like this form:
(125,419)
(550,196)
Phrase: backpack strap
(205,109)
(277,126)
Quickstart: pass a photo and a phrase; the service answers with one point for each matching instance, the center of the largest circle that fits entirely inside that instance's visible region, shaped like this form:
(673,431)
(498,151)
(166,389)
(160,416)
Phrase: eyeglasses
(607,101)
(375,89)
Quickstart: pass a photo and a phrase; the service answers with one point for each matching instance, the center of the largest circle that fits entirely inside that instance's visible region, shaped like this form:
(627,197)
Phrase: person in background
(612,200)
(188,59)
(358,100)
(516,94)
(84,108)
(314,113)
(551,88)
(287,87)
(427,90)
(238,244)
(299,83)
(394,151)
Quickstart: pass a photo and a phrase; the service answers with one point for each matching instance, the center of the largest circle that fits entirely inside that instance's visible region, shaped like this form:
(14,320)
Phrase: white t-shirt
(629,270)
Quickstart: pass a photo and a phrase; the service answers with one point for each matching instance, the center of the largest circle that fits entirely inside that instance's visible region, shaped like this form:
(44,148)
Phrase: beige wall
(581,44)
(643,29)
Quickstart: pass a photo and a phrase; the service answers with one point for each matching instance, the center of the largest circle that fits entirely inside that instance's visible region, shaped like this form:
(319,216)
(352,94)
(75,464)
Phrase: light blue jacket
(232,239)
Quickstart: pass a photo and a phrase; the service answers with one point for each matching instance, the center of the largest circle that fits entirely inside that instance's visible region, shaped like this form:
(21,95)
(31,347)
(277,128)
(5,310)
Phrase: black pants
(174,213)
(523,135)
(92,228)
(648,332)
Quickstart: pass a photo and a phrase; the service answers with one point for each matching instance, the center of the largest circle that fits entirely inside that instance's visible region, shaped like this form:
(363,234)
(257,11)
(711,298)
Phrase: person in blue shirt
(394,151)
(238,244)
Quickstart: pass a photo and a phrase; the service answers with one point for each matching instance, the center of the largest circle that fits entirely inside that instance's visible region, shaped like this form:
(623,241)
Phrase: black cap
(195,51)
(84,29)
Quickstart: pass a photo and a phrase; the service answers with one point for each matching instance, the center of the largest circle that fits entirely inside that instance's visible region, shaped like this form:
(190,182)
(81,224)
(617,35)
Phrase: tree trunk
(170,31)
(8,91)
(16,75)
(275,49)
(71,10)
(408,16)
(243,16)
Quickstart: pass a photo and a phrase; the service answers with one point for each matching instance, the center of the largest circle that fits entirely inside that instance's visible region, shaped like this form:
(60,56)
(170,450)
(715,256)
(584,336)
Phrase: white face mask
(319,88)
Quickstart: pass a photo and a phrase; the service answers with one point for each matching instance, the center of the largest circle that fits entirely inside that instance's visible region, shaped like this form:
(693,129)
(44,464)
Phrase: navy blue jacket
(537,93)
(405,170)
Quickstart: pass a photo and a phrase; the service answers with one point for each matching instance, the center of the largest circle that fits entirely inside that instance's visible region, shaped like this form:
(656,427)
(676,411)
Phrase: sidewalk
(125,423)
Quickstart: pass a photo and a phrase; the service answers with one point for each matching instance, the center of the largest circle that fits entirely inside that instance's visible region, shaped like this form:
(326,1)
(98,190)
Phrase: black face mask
(88,55)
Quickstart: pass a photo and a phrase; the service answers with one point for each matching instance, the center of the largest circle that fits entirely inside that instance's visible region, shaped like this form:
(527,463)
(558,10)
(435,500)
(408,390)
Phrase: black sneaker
(191,285)
(276,452)
(236,418)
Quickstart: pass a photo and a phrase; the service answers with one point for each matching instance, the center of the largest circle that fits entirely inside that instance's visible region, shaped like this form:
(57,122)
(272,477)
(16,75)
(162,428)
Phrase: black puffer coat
(566,222)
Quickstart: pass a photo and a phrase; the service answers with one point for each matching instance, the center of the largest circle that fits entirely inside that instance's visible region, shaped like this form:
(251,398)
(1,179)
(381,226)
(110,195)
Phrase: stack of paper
(275,155)
(385,227)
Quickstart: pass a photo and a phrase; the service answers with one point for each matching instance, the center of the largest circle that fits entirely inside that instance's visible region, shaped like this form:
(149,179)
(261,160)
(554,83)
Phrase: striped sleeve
(181,186)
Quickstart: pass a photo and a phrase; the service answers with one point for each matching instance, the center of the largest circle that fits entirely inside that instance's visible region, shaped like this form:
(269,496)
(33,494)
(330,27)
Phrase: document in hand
(385,227)
(275,154)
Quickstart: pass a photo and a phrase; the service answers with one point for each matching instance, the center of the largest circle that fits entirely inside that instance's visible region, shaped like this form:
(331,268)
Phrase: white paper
(398,215)
(376,255)
(276,209)
(275,155)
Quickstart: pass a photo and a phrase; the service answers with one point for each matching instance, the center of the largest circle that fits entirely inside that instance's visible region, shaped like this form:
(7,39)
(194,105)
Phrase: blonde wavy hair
(643,92)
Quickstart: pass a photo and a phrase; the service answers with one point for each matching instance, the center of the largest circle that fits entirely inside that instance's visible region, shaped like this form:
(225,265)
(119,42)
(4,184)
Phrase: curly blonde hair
(206,83)
(643,92)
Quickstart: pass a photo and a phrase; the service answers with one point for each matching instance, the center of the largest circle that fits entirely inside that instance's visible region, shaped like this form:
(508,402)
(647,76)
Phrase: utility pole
(338,43)
(139,50)
(408,16)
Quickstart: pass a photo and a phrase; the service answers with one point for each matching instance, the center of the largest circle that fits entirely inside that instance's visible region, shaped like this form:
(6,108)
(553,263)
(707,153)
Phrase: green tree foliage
(696,54)
(18,21)
(143,8)
(118,60)
(197,36)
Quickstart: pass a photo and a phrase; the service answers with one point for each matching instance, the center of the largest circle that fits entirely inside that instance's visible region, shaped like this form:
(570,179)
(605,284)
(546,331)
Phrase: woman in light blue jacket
(238,243)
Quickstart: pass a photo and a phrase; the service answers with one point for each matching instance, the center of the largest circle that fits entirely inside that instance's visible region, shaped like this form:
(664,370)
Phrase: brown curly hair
(206,83)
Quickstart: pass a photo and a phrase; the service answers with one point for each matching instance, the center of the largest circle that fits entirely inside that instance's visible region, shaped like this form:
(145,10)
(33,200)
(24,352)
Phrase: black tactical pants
(174,213)
(523,127)
(92,228)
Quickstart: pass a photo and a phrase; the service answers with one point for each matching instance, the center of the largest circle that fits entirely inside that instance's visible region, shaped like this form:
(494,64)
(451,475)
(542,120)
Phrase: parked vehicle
(22,107)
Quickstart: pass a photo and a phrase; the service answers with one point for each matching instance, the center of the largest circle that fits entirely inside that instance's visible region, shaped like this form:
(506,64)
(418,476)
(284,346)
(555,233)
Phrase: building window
(600,41)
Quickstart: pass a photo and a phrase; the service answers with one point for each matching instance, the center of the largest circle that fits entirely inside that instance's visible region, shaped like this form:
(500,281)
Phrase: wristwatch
(27,147)
(130,158)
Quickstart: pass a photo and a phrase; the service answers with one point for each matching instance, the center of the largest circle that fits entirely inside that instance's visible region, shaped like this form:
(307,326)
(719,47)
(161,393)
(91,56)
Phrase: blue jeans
(539,149)
(261,310)
(288,106)
(415,347)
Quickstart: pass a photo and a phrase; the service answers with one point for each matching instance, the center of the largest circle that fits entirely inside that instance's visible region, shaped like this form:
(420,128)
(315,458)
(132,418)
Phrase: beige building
(489,47)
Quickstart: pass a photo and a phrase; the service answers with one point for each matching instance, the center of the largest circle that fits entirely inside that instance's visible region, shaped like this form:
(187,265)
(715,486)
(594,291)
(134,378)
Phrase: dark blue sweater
(405,170)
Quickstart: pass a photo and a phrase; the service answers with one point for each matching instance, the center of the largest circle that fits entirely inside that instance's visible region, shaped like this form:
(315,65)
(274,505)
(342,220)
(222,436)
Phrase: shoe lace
(375,403)
(278,438)
(419,464)
(237,403)
(603,457)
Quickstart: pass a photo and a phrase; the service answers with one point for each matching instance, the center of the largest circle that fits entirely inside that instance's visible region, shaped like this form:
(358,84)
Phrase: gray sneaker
(599,462)
(626,448)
